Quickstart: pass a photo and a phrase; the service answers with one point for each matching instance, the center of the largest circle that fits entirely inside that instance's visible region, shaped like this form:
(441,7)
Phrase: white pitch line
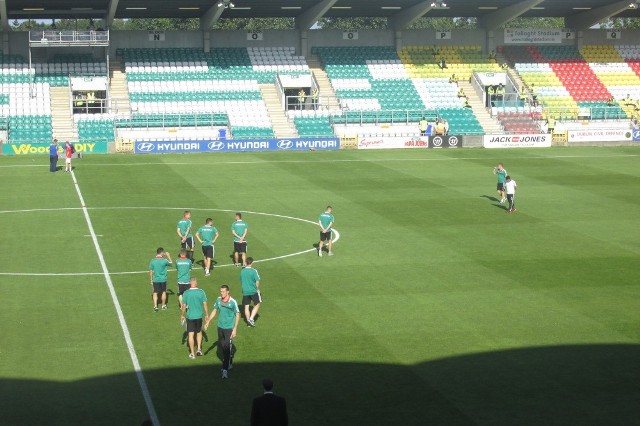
(123,324)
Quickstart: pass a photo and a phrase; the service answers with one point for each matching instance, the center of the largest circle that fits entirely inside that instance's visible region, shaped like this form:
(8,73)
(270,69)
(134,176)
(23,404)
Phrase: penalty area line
(114,297)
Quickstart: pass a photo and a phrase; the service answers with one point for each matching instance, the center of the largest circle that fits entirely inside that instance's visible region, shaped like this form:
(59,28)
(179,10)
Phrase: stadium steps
(511,72)
(118,89)
(488,123)
(282,128)
(328,99)
(61,117)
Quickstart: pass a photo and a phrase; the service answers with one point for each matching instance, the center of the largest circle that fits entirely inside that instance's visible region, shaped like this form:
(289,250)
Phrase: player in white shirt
(510,188)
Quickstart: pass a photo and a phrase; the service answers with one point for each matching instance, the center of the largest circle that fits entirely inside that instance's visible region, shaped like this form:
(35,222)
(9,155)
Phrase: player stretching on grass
(207,235)
(326,223)
(239,229)
(501,173)
(510,187)
(158,275)
(250,280)
(183,266)
(195,306)
(227,325)
(184,232)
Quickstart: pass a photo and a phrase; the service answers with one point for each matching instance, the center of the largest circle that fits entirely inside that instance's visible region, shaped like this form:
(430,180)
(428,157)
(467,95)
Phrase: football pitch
(437,308)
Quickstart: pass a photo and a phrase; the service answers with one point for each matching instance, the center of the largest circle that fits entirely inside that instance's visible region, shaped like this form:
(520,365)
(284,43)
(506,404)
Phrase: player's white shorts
(67,160)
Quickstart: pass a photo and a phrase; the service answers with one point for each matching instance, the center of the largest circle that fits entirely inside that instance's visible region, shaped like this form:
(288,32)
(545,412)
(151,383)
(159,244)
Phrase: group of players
(192,300)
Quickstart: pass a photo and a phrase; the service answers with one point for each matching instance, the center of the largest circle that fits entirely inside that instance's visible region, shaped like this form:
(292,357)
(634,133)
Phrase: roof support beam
(210,17)
(405,18)
(585,20)
(4,18)
(306,19)
(495,20)
(111,12)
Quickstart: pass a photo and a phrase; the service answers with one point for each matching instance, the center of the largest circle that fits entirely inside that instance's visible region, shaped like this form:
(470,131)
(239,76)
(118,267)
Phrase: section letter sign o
(350,34)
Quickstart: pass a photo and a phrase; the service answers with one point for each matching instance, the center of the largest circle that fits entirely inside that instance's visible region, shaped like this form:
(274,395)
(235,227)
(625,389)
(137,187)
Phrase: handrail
(69,38)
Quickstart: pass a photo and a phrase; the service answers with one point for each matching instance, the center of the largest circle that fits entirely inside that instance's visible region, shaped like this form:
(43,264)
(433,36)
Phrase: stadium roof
(312,9)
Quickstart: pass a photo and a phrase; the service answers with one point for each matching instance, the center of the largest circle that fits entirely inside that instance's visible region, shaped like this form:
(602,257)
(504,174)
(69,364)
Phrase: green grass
(438,307)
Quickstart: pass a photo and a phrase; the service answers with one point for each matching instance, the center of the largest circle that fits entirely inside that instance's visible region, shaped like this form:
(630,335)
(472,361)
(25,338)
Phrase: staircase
(282,127)
(61,115)
(488,123)
(515,77)
(327,97)
(118,91)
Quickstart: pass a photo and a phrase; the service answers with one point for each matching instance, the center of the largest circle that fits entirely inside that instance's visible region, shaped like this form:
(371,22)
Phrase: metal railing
(384,117)
(68,38)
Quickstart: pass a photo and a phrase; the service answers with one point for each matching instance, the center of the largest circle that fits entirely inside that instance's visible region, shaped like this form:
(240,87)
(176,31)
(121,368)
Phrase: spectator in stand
(443,64)
(466,103)
(628,101)
(523,96)
(491,95)
(551,124)
(453,79)
(611,101)
(492,55)
(534,95)
(422,125)
(430,129)
(446,127)
(500,92)
(440,129)
(461,93)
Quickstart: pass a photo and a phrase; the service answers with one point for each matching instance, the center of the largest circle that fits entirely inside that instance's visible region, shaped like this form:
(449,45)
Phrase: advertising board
(230,145)
(600,135)
(43,148)
(517,141)
(395,142)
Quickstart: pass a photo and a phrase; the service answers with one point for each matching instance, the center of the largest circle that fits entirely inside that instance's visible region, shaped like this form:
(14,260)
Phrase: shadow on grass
(490,198)
(561,385)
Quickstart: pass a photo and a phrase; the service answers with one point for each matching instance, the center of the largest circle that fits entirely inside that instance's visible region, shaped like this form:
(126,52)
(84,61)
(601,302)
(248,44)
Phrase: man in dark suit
(269,409)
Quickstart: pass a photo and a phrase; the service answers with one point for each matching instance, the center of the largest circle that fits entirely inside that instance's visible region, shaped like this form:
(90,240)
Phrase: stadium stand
(565,82)
(225,81)
(518,122)
(376,78)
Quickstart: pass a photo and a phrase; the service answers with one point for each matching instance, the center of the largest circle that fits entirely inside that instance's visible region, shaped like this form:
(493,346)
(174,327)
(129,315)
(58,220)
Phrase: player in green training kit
(158,275)
(501,173)
(228,321)
(250,280)
(207,235)
(183,266)
(184,232)
(239,229)
(326,223)
(194,308)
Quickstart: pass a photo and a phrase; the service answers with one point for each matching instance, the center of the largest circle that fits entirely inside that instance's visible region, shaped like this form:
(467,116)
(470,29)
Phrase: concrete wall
(17,42)
(140,39)
(600,37)
(335,38)
(270,38)
(431,37)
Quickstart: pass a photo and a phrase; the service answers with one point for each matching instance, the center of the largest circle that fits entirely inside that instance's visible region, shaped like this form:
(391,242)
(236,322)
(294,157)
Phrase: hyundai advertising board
(230,145)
